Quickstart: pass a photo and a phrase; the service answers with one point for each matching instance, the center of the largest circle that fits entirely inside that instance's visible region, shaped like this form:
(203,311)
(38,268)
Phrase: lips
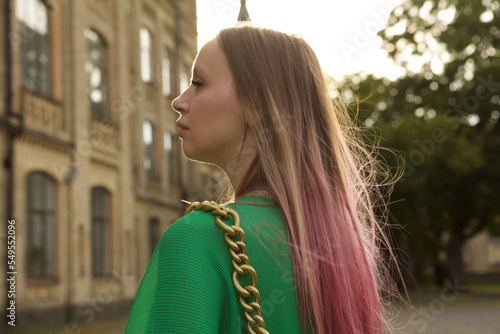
(182,129)
(181,126)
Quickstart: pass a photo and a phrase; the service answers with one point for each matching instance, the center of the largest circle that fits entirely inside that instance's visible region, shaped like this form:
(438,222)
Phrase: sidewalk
(467,314)
(431,314)
(116,326)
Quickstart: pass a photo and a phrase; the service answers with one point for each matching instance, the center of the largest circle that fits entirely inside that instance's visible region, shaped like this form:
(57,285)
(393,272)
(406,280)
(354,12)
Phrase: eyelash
(196,83)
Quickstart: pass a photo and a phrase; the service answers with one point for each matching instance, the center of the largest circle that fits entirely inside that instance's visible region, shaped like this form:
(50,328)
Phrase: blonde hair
(309,155)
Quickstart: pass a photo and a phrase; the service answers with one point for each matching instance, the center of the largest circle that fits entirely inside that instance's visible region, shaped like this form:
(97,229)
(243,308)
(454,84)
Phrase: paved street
(440,314)
(432,314)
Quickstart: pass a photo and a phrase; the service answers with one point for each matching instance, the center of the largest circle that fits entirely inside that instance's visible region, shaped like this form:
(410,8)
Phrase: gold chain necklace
(264,192)
(249,294)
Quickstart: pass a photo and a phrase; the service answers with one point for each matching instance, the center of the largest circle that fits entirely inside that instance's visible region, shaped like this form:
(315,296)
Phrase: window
(101,221)
(96,68)
(165,72)
(146,54)
(34,30)
(40,233)
(147,138)
(184,79)
(168,145)
(154,233)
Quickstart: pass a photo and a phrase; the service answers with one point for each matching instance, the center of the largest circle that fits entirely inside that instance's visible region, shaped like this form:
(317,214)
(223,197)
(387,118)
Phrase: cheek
(232,108)
(222,107)
(218,112)
(233,119)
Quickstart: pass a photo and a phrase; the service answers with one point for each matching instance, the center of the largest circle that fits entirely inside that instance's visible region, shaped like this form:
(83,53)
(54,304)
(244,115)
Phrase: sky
(342,33)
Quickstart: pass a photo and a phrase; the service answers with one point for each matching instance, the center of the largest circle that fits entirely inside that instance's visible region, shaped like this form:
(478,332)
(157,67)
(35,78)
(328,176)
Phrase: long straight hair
(309,156)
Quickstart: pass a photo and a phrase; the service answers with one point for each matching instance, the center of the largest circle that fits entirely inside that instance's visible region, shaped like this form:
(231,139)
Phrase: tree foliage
(443,115)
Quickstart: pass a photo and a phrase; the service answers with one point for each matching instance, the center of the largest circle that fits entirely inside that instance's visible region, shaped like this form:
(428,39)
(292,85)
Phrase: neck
(236,173)
(237,167)
(251,188)
(237,170)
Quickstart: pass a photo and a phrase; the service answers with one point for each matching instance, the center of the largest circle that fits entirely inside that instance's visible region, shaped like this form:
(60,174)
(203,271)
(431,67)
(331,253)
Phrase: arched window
(96,67)
(154,234)
(34,44)
(165,72)
(101,231)
(40,211)
(148,140)
(146,45)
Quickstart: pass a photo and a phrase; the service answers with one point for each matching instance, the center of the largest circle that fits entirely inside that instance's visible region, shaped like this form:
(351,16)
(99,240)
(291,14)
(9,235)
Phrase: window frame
(103,111)
(185,75)
(171,158)
(101,257)
(146,77)
(47,221)
(149,149)
(166,56)
(28,42)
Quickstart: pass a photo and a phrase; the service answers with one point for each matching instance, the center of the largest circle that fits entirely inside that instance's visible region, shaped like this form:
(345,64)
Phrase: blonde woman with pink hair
(259,108)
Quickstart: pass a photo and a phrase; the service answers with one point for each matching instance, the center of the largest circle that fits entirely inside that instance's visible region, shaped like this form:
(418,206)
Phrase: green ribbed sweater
(187,287)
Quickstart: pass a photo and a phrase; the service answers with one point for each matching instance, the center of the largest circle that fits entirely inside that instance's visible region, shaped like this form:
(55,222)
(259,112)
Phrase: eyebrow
(198,72)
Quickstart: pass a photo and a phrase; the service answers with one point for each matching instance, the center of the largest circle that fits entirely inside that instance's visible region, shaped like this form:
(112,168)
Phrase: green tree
(443,115)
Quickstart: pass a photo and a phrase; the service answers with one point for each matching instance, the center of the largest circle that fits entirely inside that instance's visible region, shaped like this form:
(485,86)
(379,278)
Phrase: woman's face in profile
(212,122)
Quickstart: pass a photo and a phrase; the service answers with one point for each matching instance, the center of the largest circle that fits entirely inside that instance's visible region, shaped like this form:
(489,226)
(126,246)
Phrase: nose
(180,103)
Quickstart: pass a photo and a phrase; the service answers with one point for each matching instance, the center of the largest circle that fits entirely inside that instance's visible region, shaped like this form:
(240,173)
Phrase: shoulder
(194,236)
(196,221)
(195,228)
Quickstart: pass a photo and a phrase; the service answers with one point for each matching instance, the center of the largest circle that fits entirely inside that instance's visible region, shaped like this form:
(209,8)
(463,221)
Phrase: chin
(197,154)
(188,155)
(194,155)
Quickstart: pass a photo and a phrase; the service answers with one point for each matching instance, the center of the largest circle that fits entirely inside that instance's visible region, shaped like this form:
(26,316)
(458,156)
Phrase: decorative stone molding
(44,293)
(103,133)
(102,8)
(151,94)
(167,6)
(105,160)
(154,185)
(147,8)
(40,141)
(42,113)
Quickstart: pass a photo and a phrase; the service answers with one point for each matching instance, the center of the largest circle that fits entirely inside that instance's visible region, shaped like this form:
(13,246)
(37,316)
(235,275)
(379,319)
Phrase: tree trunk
(407,265)
(454,262)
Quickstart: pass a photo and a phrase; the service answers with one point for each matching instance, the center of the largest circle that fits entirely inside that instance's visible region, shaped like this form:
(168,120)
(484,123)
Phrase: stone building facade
(482,254)
(92,169)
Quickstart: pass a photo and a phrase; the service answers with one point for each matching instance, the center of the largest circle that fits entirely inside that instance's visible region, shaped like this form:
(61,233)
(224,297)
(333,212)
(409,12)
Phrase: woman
(259,108)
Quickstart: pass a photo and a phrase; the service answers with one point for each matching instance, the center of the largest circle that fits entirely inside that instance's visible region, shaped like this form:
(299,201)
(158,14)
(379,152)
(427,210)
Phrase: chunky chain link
(238,250)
